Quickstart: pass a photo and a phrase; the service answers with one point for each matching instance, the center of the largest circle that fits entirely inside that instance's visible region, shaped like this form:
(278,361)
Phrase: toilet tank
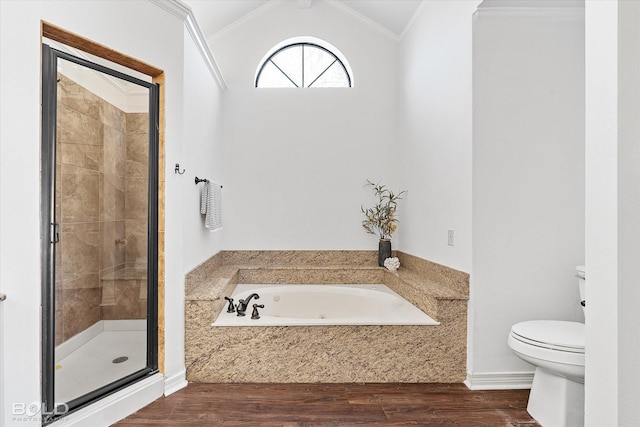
(581,284)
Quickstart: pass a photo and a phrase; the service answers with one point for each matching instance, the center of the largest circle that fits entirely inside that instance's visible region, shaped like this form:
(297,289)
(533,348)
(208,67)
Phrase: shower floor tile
(91,366)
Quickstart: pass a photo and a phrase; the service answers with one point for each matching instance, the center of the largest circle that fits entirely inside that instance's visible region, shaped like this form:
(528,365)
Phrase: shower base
(96,357)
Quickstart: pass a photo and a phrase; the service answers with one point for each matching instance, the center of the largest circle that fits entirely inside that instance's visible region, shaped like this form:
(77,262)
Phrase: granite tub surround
(310,275)
(455,280)
(330,354)
(299,258)
(326,353)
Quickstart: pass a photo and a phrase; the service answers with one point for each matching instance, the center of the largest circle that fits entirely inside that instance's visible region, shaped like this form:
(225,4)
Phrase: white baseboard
(117,406)
(175,382)
(499,380)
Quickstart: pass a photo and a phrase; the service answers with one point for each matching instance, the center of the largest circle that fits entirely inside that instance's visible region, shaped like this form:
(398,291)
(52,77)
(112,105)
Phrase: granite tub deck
(304,354)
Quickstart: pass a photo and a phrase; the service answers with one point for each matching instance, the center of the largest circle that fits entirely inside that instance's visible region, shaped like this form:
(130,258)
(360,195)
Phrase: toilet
(556,349)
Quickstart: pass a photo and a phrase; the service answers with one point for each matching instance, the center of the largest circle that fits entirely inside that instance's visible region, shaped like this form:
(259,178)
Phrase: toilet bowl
(557,349)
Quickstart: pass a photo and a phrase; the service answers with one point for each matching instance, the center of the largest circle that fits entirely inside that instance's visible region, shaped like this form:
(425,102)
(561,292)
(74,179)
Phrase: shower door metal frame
(50,236)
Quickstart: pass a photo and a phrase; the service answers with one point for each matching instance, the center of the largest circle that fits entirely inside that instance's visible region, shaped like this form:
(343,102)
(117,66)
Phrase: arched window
(303,62)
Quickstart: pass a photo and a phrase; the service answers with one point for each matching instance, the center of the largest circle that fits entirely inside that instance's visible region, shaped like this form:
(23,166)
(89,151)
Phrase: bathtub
(308,305)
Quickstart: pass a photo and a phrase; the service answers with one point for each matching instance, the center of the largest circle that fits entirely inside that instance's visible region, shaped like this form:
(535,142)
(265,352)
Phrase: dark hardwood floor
(302,405)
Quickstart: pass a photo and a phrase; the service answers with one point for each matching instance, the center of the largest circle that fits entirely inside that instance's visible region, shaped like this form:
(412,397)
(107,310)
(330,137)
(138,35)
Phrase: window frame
(292,43)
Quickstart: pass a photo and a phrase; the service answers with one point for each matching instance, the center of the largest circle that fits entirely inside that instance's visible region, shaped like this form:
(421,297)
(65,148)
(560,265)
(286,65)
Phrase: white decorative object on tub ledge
(392,263)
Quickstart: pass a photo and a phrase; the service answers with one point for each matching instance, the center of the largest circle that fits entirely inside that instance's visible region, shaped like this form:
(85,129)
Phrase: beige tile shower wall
(100,162)
(81,165)
(112,200)
(124,293)
(136,187)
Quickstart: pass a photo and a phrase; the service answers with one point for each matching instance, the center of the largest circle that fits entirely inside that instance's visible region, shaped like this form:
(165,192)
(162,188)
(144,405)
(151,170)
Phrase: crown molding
(413,19)
(180,10)
(556,10)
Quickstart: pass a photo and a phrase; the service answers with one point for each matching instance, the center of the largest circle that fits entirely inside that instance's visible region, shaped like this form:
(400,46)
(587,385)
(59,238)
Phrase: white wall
(528,173)
(201,155)
(601,371)
(613,212)
(628,214)
(434,162)
(296,160)
(141,30)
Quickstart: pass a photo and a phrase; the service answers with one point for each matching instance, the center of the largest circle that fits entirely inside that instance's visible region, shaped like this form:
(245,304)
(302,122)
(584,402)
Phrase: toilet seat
(555,335)
(550,342)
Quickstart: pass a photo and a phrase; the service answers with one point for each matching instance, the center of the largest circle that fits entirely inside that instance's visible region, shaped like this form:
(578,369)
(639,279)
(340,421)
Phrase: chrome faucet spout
(241,308)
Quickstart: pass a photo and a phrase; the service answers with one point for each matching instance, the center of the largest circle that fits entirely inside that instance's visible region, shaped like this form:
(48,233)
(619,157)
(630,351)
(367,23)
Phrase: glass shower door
(100,284)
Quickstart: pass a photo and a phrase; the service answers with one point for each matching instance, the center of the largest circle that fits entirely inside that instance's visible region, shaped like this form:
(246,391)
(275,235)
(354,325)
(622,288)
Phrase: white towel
(211,205)
(204,193)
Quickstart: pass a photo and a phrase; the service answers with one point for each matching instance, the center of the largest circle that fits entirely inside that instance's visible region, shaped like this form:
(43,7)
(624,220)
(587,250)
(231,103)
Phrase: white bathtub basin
(304,305)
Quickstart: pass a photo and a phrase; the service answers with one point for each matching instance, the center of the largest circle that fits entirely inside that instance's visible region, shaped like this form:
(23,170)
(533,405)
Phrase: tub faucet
(241,308)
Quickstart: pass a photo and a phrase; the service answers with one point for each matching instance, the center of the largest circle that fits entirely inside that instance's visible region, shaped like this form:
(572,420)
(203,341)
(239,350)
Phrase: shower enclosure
(99,227)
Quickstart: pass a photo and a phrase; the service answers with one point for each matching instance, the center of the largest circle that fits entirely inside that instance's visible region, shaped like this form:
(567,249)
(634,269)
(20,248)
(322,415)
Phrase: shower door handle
(55,232)
(2,297)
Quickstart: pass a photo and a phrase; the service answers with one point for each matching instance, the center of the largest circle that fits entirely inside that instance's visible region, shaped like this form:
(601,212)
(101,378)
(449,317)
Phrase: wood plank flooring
(311,405)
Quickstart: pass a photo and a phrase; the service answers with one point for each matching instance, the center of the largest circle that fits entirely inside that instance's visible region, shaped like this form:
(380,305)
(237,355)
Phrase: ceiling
(215,15)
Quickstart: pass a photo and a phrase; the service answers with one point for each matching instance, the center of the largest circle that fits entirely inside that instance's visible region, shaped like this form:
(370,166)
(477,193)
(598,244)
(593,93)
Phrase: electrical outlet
(450,237)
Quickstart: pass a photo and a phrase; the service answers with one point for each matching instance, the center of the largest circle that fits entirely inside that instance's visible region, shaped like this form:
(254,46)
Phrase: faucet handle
(230,308)
(255,315)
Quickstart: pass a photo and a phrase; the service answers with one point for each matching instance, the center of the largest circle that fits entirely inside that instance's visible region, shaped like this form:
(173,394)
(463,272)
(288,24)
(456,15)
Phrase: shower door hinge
(55,232)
